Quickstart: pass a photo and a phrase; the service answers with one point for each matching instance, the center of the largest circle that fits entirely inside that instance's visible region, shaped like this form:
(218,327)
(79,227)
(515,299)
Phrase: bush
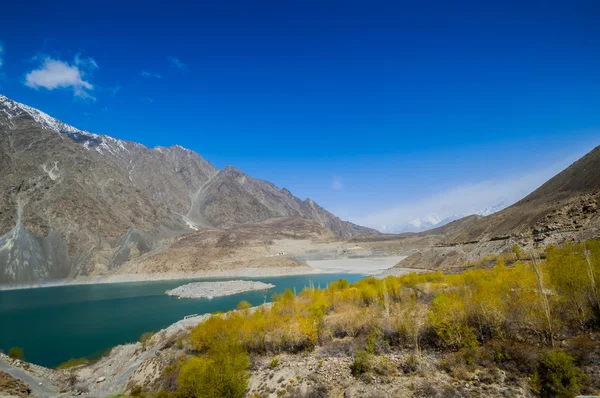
(16,353)
(243,305)
(411,364)
(145,337)
(384,367)
(223,372)
(557,376)
(71,363)
(274,362)
(361,364)
(136,391)
(516,249)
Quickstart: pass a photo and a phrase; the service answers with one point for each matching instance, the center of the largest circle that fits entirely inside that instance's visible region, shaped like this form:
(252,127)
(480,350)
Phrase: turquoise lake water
(54,324)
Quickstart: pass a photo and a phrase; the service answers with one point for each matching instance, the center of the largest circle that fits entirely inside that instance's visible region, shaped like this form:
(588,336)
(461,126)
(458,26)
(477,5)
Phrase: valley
(104,227)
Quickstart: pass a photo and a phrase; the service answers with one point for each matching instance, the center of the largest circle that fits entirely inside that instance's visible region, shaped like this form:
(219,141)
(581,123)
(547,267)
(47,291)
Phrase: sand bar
(217,289)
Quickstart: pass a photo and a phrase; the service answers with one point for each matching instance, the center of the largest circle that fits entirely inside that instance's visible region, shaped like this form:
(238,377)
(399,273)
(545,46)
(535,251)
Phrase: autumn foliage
(530,302)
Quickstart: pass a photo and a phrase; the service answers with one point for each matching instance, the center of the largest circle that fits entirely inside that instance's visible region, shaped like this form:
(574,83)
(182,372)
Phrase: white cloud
(53,73)
(336,183)
(462,199)
(145,73)
(176,62)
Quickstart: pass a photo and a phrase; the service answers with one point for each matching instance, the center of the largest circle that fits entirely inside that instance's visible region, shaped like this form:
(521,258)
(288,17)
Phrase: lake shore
(368,266)
(126,278)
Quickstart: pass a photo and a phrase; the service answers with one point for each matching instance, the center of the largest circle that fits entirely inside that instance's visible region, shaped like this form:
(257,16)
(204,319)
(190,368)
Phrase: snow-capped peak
(90,141)
(14,108)
(427,221)
(432,221)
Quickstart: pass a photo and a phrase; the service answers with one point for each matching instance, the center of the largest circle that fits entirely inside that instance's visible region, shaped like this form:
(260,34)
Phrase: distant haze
(483,198)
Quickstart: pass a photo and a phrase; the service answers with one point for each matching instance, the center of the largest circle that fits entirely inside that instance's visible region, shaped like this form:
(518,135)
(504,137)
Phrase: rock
(100,379)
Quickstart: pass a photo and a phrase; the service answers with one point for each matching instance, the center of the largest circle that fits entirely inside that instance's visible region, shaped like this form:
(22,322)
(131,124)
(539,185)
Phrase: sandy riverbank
(364,265)
(217,289)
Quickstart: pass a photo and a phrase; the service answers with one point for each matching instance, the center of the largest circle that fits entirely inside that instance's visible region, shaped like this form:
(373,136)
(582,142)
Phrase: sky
(381,111)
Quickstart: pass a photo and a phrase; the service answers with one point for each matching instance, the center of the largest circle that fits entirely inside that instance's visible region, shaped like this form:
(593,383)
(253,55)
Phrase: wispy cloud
(148,100)
(462,199)
(52,74)
(86,63)
(154,75)
(336,183)
(176,62)
(1,54)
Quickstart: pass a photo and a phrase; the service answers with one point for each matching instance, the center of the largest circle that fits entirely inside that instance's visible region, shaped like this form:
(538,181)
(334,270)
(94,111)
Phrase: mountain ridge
(110,200)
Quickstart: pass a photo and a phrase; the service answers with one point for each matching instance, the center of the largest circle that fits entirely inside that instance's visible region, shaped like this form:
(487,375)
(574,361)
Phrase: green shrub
(274,362)
(516,249)
(374,338)
(71,363)
(384,367)
(222,372)
(16,353)
(243,305)
(557,376)
(361,364)
(145,337)
(136,391)
(411,364)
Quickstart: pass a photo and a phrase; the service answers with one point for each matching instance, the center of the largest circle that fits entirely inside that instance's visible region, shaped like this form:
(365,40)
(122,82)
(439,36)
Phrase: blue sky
(380,111)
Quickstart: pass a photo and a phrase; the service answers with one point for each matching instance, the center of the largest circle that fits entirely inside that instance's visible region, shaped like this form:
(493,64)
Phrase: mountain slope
(107,200)
(434,222)
(567,204)
(232,198)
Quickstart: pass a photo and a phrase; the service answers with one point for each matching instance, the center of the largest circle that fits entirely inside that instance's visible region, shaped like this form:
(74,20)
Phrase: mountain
(76,203)
(433,221)
(565,207)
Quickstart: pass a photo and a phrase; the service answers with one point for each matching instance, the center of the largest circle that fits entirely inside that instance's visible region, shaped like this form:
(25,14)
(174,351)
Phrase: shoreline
(167,276)
(369,266)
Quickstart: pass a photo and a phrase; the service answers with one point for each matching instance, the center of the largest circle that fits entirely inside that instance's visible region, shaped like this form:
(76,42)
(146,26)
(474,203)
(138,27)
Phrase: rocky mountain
(434,221)
(566,206)
(74,202)
(232,198)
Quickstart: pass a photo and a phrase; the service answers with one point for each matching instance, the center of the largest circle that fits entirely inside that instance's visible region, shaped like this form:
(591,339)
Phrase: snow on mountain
(432,221)
(90,141)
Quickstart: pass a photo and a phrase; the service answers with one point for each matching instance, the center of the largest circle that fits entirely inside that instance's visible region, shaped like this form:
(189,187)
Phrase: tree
(16,353)
(574,275)
(543,297)
(518,251)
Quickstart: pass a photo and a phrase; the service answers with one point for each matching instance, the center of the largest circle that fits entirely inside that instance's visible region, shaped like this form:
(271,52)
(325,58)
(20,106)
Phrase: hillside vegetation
(533,326)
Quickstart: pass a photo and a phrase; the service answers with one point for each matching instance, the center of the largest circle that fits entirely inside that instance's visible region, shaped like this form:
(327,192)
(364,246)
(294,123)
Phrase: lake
(54,324)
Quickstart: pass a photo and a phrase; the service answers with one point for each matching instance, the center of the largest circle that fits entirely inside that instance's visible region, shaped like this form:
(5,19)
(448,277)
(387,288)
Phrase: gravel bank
(216,289)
